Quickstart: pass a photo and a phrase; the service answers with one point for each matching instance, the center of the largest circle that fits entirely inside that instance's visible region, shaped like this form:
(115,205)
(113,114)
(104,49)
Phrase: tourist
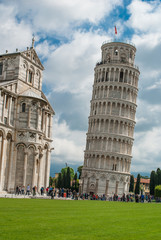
(50,190)
(33,189)
(62,192)
(127,198)
(149,198)
(17,192)
(47,191)
(28,190)
(23,190)
(42,190)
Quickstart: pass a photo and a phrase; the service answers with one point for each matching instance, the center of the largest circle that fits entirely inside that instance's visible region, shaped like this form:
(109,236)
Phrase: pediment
(31,55)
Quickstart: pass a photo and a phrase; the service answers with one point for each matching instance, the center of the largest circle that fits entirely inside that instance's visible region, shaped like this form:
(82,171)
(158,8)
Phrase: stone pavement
(23,196)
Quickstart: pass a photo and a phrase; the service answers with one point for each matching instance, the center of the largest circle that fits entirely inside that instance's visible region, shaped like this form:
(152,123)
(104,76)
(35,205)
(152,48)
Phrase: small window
(30,77)
(5,120)
(116,52)
(23,107)
(6,104)
(121,76)
(1,68)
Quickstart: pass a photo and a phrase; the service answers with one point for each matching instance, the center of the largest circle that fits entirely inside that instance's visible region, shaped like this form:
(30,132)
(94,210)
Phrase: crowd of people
(68,193)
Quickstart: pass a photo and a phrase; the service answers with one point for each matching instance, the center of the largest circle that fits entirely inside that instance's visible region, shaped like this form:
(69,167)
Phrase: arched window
(1,68)
(116,51)
(30,77)
(23,107)
(121,76)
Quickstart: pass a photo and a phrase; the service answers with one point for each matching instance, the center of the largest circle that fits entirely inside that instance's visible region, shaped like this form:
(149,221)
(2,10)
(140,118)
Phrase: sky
(68,37)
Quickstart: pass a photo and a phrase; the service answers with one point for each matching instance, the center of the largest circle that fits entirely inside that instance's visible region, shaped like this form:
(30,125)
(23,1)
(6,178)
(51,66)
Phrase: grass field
(56,219)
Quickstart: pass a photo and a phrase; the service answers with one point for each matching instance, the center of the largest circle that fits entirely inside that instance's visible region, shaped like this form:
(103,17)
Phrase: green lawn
(56,219)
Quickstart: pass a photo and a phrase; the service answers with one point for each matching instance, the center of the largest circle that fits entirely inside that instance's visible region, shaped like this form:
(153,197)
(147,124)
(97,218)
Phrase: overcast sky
(69,35)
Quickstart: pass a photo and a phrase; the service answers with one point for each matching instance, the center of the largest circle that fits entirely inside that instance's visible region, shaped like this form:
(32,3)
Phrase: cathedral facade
(25,122)
(109,141)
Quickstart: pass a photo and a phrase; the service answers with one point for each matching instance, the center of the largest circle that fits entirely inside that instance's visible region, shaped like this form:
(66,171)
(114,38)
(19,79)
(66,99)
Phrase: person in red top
(47,189)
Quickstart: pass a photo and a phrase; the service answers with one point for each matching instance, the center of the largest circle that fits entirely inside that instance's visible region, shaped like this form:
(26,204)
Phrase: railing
(117,62)
(118,40)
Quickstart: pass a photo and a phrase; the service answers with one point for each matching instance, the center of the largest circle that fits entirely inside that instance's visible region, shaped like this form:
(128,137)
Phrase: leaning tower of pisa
(108,153)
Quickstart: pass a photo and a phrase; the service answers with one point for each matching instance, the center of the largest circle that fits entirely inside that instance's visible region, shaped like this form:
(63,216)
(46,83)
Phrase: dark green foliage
(159,176)
(157,191)
(155,180)
(64,180)
(51,181)
(59,182)
(76,183)
(152,182)
(68,178)
(137,187)
(71,171)
(131,188)
(79,169)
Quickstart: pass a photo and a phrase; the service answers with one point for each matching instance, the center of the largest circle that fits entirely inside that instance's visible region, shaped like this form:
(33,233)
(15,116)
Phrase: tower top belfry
(108,153)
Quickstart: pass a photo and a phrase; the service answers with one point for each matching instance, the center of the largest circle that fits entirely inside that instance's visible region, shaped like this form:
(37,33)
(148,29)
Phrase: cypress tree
(64,182)
(137,187)
(152,182)
(59,183)
(76,182)
(68,178)
(131,188)
(159,176)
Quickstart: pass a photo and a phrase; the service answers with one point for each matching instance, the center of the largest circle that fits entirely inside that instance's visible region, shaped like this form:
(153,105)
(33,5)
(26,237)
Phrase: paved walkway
(21,196)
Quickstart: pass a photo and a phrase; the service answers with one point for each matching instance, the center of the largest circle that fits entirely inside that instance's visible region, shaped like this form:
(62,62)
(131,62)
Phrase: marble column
(34,170)
(29,116)
(107,186)
(96,189)
(3,163)
(9,110)
(4,102)
(25,169)
(116,190)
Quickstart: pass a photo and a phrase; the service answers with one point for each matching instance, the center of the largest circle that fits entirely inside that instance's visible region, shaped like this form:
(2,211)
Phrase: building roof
(143,180)
(3,83)
(30,93)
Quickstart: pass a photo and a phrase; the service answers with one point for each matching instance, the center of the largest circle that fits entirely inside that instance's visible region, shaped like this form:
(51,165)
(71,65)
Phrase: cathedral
(108,153)
(25,122)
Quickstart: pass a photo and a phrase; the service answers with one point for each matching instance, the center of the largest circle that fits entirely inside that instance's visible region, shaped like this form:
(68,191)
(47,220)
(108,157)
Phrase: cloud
(60,17)
(147,116)
(145,18)
(69,144)
(70,67)
(44,48)
(14,34)
(146,150)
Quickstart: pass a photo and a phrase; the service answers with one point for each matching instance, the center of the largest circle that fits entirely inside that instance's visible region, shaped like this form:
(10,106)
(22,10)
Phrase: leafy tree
(137,187)
(71,171)
(157,191)
(68,178)
(79,169)
(152,182)
(131,188)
